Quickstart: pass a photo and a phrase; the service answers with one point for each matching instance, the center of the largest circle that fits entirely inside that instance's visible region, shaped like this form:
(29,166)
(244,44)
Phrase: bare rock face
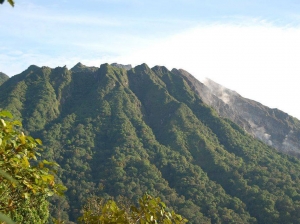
(126,67)
(272,126)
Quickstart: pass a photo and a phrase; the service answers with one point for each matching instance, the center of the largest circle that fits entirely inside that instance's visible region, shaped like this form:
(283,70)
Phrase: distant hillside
(3,78)
(272,126)
(125,132)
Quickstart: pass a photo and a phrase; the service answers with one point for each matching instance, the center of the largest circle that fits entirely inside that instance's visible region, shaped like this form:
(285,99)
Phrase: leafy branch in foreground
(24,187)
(11,2)
(150,210)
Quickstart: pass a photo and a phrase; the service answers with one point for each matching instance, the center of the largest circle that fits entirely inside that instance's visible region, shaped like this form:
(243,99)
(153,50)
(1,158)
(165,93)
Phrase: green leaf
(7,176)
(50,193)
(26,195)
(11,2)
(163,204)
(5,219)
(39,141)
(26,161)
(5,113)
(17,123)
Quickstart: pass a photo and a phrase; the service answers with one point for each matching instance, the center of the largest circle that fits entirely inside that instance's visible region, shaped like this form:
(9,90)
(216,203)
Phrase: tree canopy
(149,210)
(25,181)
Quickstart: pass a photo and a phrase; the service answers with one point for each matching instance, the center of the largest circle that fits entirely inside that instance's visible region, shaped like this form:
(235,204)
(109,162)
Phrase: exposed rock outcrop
(126,67)
(272,126)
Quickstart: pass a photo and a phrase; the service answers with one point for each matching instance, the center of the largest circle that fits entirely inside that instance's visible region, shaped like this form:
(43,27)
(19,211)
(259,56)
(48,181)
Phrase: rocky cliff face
(272,126)
(126,67)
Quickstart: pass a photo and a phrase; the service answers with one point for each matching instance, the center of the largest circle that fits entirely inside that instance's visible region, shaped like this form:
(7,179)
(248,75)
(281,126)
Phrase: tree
(11,2)
(150,210)
(25,182)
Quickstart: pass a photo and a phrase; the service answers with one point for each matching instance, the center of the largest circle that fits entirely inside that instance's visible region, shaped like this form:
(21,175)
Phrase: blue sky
(252,47)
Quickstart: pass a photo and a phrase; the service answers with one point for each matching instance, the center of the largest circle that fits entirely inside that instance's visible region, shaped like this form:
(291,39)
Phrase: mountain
(126,132)
(272,126)
(3,78)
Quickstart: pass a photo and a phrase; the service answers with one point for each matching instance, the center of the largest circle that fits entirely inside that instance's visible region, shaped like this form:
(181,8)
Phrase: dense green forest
(3,78)
(117,132)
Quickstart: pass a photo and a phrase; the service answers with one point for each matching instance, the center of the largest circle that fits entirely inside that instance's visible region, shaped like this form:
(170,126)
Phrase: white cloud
(260,61)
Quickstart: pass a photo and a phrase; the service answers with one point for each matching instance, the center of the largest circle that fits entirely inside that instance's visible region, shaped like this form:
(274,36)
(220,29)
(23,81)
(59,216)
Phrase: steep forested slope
(125,132)
(3,78)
